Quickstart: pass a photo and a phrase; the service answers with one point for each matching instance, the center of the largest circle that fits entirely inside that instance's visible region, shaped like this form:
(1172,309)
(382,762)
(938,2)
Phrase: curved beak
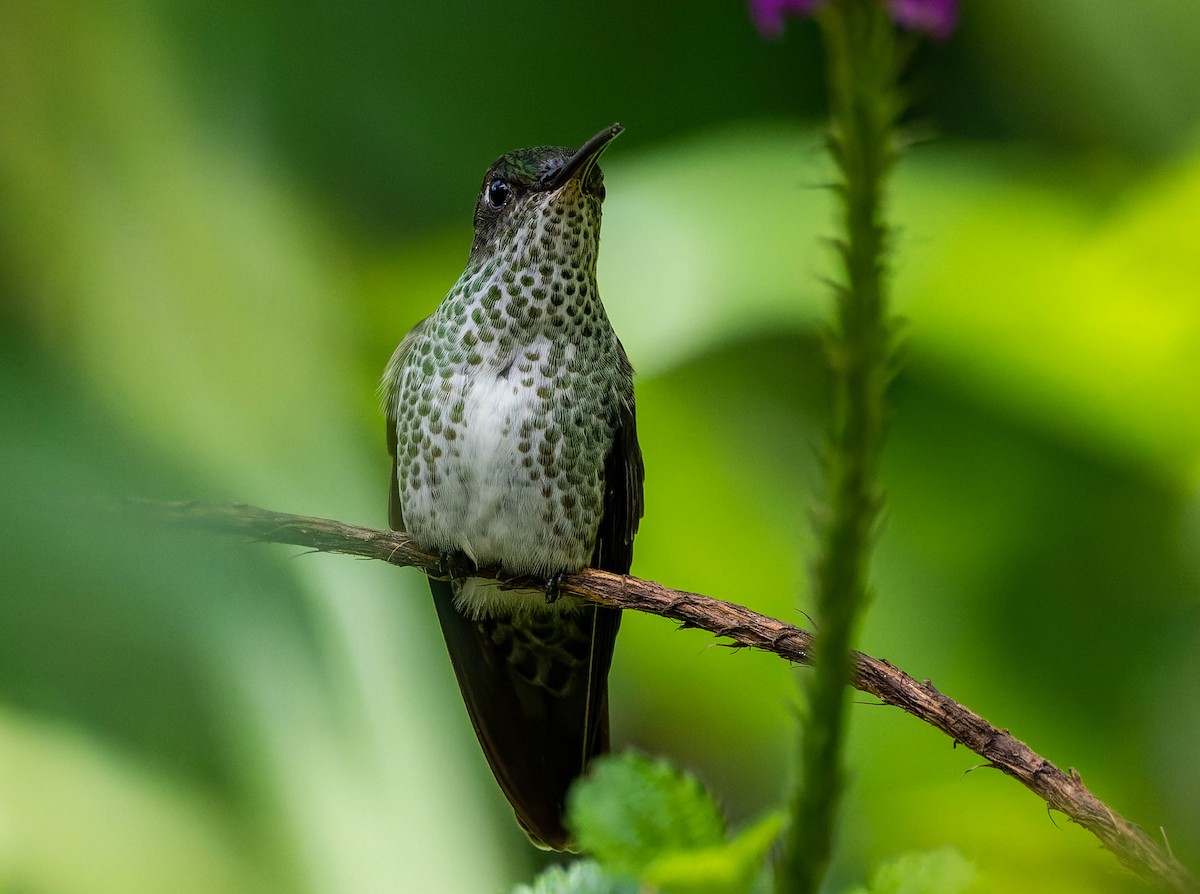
(580,165)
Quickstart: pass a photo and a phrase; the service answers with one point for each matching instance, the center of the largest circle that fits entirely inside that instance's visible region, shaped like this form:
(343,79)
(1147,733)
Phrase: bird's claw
(455,565)
(551,587)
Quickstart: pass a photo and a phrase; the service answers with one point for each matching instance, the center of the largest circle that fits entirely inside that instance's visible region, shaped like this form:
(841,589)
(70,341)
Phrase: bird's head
(542,206)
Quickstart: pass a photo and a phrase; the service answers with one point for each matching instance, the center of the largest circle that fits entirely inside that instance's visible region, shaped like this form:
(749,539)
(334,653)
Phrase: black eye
(498,193)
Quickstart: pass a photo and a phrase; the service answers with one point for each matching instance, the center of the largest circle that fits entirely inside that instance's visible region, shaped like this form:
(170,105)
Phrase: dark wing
(623,498)
(624,505)
(390,394)
(395,516)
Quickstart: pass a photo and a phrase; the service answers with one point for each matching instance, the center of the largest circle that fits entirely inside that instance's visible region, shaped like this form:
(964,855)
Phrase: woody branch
(1062,791)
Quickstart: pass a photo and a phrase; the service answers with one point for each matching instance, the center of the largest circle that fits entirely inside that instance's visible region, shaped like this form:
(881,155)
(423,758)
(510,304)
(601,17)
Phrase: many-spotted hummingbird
(510,420)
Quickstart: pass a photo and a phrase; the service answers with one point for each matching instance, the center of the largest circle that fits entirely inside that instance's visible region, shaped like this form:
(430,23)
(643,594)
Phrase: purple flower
(934,17)
(769,15)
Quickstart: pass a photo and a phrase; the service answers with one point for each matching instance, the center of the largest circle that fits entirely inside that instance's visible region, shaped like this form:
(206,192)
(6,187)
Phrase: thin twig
(1062,791)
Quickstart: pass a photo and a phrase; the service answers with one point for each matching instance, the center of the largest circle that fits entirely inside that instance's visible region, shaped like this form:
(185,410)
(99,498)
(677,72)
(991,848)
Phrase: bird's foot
(455,565)
(551,587)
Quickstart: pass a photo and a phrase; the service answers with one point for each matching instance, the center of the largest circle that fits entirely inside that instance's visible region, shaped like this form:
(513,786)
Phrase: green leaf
(648,820)
(944,871)
(630,811)
(730,868)
(585,877)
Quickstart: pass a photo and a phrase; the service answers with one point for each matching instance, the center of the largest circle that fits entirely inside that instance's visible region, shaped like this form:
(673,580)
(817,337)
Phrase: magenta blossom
(935,17)
(769,15)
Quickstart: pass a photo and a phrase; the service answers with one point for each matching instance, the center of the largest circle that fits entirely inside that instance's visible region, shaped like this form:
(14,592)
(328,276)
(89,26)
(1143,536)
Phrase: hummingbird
(512,431)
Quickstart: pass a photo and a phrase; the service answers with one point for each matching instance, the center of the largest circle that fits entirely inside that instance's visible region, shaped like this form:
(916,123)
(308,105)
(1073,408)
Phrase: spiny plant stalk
(863,66)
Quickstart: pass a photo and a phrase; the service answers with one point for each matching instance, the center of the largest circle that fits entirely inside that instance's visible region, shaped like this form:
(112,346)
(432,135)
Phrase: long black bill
(580,164)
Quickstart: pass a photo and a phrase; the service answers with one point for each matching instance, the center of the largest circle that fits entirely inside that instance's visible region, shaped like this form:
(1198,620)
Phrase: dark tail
(536,690)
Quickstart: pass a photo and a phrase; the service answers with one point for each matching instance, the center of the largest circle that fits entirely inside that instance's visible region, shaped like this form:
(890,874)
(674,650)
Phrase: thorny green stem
(864,104)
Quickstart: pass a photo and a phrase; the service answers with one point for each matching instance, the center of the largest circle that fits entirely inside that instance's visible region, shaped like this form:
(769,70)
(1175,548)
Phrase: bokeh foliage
(217,219)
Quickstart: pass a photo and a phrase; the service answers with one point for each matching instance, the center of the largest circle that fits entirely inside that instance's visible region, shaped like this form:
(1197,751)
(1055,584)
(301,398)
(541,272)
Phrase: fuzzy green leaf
(944,871)
(630,811)
(585,877)
(730,868)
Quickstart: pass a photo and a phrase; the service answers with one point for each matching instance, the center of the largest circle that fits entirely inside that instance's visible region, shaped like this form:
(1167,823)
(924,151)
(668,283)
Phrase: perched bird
(510,420)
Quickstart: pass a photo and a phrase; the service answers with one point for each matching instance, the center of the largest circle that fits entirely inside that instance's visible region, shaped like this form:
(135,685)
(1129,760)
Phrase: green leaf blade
(630,811)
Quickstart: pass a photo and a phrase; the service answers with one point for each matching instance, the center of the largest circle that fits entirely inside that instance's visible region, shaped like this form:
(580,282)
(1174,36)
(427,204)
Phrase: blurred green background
(217,219)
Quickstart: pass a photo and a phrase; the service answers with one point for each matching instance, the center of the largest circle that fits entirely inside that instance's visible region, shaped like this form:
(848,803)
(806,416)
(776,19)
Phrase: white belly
(491,500)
